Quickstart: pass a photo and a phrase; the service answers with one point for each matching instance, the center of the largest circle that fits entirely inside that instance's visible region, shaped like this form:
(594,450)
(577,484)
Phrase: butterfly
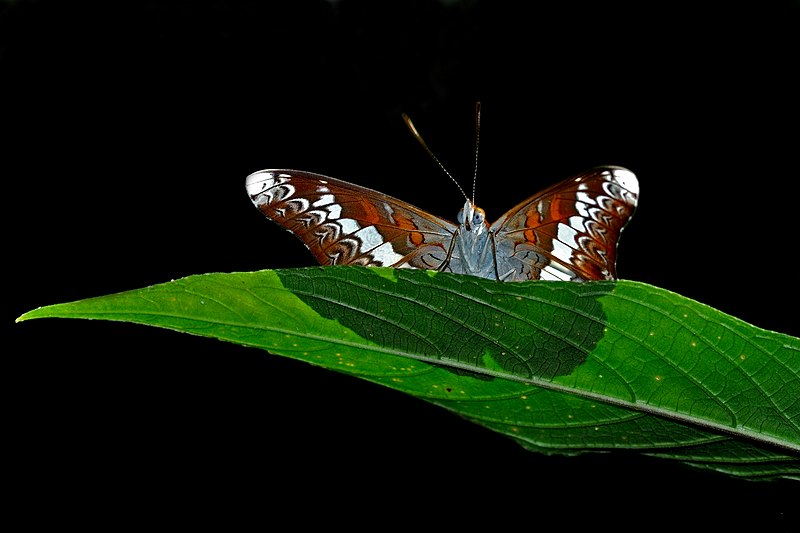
(569,231)
(566,232)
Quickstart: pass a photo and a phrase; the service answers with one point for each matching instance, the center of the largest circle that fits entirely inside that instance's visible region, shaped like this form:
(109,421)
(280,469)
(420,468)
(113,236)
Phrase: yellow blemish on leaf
(387,273)
(431,273)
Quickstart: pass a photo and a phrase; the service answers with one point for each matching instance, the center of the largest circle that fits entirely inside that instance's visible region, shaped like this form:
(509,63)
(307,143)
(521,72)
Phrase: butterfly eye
(478,216)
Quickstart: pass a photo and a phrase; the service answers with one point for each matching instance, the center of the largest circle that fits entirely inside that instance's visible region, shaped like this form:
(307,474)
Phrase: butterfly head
(472,218)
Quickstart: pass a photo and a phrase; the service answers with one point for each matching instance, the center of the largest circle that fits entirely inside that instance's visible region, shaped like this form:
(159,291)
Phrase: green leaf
(560,367)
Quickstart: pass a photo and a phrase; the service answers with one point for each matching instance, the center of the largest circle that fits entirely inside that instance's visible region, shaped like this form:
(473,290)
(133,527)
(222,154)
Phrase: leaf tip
(45,311)
(28,315)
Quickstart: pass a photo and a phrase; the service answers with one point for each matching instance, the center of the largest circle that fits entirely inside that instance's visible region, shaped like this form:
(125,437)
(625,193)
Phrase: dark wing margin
(346,224)
(569,231)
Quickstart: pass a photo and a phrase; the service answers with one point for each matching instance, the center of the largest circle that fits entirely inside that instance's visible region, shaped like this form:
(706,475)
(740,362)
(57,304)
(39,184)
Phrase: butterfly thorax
(472,253)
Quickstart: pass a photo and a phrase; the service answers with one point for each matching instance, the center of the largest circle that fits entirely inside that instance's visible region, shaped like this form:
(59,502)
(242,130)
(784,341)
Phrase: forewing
(346,224)
(568,231)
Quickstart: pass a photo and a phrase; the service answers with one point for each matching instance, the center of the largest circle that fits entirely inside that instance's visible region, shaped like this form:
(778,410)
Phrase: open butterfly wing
(568,231)
(346,224)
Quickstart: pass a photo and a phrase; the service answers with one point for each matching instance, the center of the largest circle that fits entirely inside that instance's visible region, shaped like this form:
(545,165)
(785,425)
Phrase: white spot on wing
(369,237)
(627,179)
(258,182)
(585,198)
(325,199)
(540,210)
(566,234)
(545,275)
(576,223)
(348,225)
(561,251)
(335,211)
(549,273)
(386,255)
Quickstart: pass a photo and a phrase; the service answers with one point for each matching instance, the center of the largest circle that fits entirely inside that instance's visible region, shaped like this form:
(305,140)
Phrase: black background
(129,128)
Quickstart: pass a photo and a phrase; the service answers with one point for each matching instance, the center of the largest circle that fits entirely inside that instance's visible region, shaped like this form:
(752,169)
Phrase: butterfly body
(567,232)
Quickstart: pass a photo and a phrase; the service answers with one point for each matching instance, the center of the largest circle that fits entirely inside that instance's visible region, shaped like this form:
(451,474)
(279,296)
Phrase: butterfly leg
(446,262)
(494,256)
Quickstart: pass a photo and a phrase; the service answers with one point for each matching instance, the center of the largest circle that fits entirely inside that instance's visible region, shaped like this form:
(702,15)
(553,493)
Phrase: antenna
(418,137)
(477,145)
